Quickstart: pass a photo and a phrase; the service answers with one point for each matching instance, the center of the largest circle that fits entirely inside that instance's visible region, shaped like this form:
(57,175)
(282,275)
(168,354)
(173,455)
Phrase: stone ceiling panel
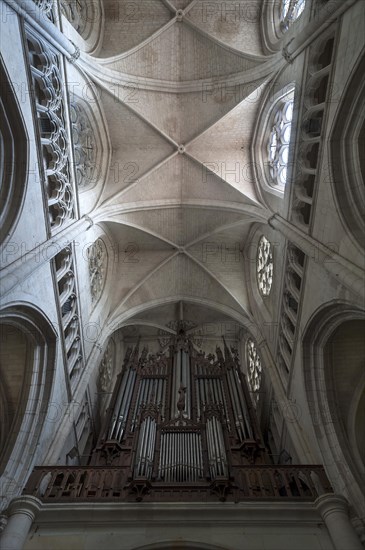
(227,145)
(180,54)
(181,225)
(181,179)
(237,23)
(160,108)
(128,23)
(136,146)
(206,322)
(180,4)
(132,270)
(181,277)
(221,254)
(124,235)
(212,102)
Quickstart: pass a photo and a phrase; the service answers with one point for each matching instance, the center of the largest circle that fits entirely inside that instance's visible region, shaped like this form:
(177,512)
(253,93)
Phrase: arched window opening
(334,338)
(13,353)
(254,369)
(279,139)
(27,355)
(14,157)
(291,10)
(78,14)
(86,17)
(324,57)
(264,266)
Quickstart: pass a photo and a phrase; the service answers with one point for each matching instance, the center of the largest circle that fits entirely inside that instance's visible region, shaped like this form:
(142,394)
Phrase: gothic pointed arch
(183,545)
(347,154)
(86,19)
(14,157)
(332,338)
(274,138)
(28,350)
(279,17)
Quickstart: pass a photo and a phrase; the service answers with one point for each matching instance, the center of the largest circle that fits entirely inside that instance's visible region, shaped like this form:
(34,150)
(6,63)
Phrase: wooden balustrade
(259,482)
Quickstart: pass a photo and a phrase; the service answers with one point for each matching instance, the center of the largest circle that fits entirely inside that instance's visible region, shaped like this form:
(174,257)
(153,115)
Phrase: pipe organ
(180,417)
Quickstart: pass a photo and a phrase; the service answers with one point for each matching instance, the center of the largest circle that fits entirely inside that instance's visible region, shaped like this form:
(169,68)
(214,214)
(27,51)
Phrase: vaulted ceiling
(180,85)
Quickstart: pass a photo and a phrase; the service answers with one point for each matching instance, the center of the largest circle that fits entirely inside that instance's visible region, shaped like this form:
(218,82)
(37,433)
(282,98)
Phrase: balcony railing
(99,484)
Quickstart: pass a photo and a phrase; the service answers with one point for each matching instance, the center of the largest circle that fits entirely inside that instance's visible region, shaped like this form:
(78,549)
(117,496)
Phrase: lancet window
(279,139)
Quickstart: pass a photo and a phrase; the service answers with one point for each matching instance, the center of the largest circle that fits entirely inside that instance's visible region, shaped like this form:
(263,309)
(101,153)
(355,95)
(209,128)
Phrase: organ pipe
(170,413)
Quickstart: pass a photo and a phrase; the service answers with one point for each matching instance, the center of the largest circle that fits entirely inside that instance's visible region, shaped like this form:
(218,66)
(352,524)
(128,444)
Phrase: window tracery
(77,13)
(46,71)
(254,368)
(264,266)
(97,257)
(47,8)
(279,139)
(106,368)
(291,10)
(84,144)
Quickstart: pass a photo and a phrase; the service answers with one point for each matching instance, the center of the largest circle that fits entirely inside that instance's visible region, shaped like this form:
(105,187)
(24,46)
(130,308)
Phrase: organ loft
(180,417)
(181,425)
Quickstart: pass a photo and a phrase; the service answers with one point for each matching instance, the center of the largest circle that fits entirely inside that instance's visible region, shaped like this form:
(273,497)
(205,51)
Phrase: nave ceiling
(181,93)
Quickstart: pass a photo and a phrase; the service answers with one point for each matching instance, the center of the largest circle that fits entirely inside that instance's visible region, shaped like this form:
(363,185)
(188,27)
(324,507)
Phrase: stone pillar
(334,511)
(26,264)
(21,513)
(345,272)
(40,22)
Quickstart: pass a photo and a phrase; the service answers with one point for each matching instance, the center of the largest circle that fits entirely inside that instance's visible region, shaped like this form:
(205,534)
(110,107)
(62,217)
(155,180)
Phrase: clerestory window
(279,140)
(291,10)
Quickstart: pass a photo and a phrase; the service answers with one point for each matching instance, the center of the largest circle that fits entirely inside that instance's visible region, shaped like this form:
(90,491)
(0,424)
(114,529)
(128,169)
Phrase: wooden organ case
(180,419)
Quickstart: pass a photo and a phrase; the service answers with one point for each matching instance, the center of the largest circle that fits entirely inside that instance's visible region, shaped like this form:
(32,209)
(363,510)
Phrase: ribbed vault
(180,86)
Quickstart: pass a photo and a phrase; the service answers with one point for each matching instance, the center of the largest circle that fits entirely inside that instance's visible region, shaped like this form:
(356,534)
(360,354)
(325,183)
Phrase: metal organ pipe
(174,389)
(121,408)
(180,457)
(185,378)
(146,448)
(243,406)
(176,458)
(117,405)
(216,448)
(162,454)
(125,405)
(236,405)
(216,387)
